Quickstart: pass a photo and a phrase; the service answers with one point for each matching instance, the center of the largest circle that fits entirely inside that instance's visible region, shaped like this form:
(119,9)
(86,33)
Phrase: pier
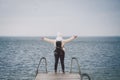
(57,76)
(60,76)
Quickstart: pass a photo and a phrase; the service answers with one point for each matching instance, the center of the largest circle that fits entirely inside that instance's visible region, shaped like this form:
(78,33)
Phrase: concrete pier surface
(58,76)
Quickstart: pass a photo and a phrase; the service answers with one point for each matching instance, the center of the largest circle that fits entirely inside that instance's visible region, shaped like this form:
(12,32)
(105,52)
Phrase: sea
(99,57)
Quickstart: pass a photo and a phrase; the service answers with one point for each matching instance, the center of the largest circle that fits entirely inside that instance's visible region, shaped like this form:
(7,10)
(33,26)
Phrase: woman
(59,52)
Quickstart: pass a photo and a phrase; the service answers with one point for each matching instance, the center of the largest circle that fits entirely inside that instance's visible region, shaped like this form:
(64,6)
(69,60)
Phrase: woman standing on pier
(59,52)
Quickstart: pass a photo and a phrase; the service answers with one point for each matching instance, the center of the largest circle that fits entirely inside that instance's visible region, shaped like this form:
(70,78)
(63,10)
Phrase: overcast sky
(70,17)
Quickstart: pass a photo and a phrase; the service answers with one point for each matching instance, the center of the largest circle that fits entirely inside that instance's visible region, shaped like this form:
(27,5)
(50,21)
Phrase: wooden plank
(58,76)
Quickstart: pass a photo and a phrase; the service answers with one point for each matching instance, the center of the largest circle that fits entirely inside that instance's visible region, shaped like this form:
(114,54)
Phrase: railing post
(84,74)
(43,58)
(81,75)
(74,58)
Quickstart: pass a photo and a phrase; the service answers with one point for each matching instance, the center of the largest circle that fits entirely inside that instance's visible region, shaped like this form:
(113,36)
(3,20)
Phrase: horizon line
(63,36)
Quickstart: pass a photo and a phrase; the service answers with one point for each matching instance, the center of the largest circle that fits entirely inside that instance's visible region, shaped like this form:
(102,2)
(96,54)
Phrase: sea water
(97,56)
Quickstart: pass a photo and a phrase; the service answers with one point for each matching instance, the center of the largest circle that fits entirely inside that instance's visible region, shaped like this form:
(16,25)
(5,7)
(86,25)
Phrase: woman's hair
(59,37)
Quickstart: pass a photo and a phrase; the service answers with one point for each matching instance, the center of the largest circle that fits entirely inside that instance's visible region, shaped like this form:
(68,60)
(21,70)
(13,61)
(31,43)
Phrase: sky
(70,17)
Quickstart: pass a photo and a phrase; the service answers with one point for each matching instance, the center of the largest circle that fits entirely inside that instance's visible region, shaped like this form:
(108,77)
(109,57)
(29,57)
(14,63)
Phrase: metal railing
(43,58)
(85,75)
(74,58)
(82,75)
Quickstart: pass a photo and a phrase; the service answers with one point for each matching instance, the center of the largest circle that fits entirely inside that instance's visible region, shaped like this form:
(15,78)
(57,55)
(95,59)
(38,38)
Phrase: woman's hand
(75,36)
(42,38)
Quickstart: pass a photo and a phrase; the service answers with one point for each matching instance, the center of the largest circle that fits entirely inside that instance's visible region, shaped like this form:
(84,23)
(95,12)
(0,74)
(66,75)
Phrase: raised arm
(69,39)
(48,40)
